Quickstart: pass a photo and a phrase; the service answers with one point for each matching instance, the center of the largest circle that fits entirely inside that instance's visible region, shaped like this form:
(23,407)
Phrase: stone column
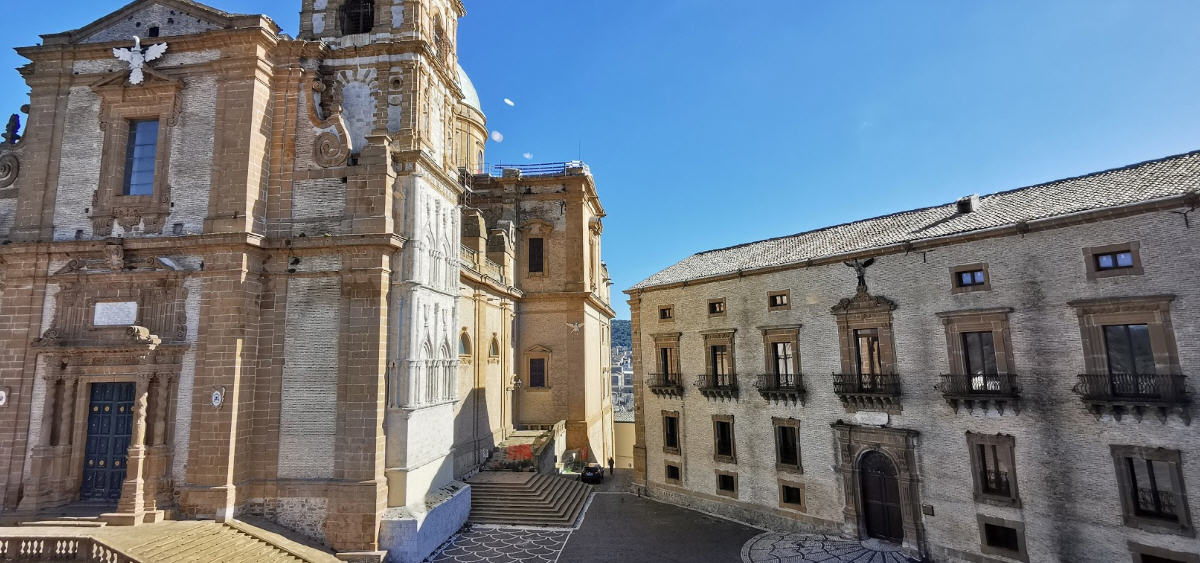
(131,508)
(66,412)
(156,463)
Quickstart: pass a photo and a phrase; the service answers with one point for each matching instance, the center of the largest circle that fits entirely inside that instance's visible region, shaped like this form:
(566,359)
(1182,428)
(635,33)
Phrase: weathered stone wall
(168,20)
(1064,469)
(308,416)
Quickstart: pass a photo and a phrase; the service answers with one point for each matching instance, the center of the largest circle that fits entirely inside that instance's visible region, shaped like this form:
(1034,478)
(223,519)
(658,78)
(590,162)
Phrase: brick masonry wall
(79,167)
(308,404)
(169,21)
(8,207)
(319,207)
(1064,468)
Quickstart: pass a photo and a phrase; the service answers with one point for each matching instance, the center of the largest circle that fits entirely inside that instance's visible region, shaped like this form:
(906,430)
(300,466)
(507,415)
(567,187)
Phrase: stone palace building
(245,273)
(1003,378)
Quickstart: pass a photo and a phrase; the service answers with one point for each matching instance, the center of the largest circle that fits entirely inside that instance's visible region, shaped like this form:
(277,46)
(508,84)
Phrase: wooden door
(110,423)
(881,498)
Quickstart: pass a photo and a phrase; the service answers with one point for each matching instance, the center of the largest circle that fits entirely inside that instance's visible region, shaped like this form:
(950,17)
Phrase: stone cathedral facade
(233,278)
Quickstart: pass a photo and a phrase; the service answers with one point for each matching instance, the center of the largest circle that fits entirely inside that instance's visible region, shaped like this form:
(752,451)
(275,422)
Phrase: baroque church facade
(245,273)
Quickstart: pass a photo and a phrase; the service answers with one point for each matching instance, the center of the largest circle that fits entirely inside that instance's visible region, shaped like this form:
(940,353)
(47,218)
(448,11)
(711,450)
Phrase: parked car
(593,473)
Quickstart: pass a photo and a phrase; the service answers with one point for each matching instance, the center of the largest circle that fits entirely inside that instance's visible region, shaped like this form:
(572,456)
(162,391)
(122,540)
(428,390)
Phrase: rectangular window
(867,349)
(1001,537)
(726,482)
(141,157)
(791,495)
(723,439)
(992,459)
(784,361)
(1128,349)
(993,473)
(719,356)
(673,472)
(1151,489)
(779,300)
(666,313)
(970,278)
(671,432)
(1114,260)
(716,307)
(536,256)
(666,361)
(787,446)
(979,354)
(537,372)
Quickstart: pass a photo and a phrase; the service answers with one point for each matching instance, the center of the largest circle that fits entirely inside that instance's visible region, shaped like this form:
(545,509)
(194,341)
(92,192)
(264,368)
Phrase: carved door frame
(899,446)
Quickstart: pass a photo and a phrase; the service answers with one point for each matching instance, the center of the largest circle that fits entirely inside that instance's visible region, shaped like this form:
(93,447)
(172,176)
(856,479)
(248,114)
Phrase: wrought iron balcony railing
(1116,393)
(867,391)
(1156,504)
(993,389)
(723,385)
(665,384)
(995,482)
(872,384)
(780,386)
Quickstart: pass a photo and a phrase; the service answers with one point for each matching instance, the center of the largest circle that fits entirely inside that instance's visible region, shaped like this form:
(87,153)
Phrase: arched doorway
(880,497)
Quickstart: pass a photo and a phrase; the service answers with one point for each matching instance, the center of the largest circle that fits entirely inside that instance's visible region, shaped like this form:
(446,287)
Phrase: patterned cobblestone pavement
(477,544)
(774,547)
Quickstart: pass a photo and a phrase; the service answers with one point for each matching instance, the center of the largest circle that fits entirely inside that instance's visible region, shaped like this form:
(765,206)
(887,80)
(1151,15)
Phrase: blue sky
(710,123)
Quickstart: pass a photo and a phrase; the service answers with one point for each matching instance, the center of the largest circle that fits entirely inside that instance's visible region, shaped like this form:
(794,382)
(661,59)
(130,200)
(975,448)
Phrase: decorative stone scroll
(10,167)
(330,149)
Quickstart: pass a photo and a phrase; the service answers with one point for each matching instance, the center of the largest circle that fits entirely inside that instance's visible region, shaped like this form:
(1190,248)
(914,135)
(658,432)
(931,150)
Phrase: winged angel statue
(138,57)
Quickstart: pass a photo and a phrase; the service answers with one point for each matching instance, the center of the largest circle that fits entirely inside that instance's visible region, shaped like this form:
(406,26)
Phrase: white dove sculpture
(575,326)
(137,57)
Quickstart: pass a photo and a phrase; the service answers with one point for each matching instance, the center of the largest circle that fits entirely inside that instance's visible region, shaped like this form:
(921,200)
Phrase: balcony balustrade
(998,390)
(665,384)
(867,391)
(1120,393)
(780,387)
(718,386)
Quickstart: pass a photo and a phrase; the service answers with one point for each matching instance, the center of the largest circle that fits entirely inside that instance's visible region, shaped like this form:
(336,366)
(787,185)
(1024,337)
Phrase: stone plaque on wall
(115,313)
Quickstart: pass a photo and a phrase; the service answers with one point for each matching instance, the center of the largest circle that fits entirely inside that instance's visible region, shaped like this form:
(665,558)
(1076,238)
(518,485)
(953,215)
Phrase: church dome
(470,96)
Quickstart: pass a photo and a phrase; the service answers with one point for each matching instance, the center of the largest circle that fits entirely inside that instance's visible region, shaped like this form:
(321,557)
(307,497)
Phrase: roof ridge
(928,207)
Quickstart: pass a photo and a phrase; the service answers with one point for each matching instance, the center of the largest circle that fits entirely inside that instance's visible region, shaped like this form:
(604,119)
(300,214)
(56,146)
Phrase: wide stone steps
(541,500)
(212,542)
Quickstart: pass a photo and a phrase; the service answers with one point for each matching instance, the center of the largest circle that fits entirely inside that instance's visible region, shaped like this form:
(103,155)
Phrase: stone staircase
(214,541)
(527,499)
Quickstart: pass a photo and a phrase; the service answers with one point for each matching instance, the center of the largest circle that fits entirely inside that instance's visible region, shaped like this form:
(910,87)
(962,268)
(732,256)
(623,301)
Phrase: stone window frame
(465,336)
(670,310)
(1129,512)
(732,458)
(1021,553)
(717,338)
(1093,273)
(666,474)
(876,316)
(787,295)
(776,423)
(994,321)
(157,98)
(1138,550)
(956,270)
(1007,444)
(724,307)
(718,473)
(537,352)
(1153,311)
(803,506)
(678,449)
(494,350)
(668,340)
(531,230)
(780,333)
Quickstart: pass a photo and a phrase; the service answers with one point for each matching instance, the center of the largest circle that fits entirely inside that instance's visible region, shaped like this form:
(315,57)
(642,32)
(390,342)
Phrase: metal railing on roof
(569,168)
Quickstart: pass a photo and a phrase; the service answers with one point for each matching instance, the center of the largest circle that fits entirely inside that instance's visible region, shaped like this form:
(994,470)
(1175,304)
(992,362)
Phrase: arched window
(464,345)
(358,16)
